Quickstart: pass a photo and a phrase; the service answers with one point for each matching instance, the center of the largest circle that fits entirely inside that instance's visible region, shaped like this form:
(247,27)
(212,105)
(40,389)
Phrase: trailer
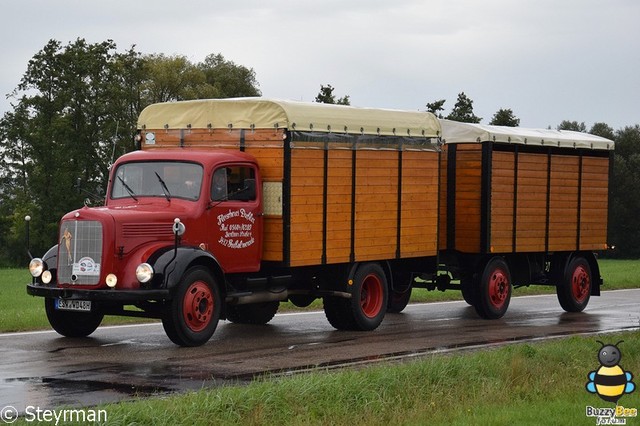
(523,207)
(232,206)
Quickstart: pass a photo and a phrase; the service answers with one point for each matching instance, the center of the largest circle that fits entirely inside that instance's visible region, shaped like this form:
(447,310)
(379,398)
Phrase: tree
(326,96)
(602,130)
(61,131)
(572,125)
(463,110)
(436,108)
(624,230)
(505,117)
(228,79)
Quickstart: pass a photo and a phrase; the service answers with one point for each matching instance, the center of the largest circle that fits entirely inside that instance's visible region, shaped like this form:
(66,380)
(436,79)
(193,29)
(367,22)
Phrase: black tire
(468,288)
(367,306)
(194,311)
(301,300)
(72,324)
(494,290)
(574,289)
(399,299)
(253,313)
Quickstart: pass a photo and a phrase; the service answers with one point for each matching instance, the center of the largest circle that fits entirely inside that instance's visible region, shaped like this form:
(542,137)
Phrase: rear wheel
(254,313)
(574,289)
(72,324)
(367,306)
(194,311)
(494,290)
(399,299)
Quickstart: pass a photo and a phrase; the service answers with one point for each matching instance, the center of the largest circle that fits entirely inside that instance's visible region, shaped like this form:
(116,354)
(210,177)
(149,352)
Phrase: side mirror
(178,227)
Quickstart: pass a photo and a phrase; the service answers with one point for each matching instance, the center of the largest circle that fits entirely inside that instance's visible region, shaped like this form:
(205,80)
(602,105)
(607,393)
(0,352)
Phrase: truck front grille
(80,252)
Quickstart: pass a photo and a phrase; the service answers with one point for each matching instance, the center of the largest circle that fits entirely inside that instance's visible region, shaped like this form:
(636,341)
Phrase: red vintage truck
(232,206)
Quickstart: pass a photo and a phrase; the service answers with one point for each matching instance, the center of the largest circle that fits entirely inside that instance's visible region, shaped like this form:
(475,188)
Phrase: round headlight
(144,272)
(46,277)
(112,280)
(36,267)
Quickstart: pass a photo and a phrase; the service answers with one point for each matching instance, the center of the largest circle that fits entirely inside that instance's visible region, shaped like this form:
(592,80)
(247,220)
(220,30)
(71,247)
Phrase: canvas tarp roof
(247,113)
(457,132)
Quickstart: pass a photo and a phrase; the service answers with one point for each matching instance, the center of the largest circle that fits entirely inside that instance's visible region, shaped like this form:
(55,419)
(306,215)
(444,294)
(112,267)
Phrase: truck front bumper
(109,295)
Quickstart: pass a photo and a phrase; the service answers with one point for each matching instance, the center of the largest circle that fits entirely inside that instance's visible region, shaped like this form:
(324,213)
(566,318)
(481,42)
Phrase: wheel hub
(580,283)
(498,288)
(198,306)
(371,296)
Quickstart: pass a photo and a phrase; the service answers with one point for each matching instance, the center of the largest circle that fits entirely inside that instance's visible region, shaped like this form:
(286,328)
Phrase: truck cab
(166,212)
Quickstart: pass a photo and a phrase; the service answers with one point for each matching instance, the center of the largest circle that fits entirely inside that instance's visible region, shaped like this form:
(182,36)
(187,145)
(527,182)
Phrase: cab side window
(234,183)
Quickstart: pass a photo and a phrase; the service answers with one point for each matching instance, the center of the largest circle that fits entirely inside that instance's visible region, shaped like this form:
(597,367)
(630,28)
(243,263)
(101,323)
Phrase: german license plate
(73,305)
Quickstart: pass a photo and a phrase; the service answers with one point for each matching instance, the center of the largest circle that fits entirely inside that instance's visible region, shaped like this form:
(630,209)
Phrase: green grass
(542,383)
(21,312)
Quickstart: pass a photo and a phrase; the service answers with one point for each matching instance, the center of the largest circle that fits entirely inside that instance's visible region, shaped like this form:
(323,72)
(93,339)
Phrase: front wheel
(366,308)
(574,289)
(72,324)
(194,311)
(494,291)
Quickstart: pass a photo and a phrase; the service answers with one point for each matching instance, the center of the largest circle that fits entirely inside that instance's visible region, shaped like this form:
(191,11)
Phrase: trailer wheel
(253,313)
(494,291)
(574,289)
(194,311)
(367,306)
(72,324)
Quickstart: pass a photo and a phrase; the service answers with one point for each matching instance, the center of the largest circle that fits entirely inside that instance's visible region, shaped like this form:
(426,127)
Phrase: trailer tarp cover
(261,113)
(457,132)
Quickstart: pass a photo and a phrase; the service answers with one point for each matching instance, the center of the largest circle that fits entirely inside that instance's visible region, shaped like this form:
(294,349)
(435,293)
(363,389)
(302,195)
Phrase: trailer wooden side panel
(339,205)
(531,213)
(563,202)
(444,181)
(307,175)
(419,213)
(594,203)
(502,202)
(376,208)
(468,169)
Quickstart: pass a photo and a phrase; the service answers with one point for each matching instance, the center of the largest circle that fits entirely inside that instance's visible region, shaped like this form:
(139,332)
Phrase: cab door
(236,217)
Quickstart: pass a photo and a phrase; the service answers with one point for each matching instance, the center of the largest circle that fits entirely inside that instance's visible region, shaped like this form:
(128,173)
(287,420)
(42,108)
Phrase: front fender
(170,264)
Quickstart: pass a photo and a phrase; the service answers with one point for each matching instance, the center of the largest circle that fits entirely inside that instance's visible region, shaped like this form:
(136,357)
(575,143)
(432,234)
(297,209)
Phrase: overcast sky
(547,60)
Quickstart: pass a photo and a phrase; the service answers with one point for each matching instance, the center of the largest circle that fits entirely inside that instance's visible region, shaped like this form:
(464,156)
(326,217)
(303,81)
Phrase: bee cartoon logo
(610,381)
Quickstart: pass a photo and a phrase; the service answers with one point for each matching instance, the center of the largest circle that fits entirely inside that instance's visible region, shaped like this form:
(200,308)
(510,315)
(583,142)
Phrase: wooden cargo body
(340,185)
(512,190)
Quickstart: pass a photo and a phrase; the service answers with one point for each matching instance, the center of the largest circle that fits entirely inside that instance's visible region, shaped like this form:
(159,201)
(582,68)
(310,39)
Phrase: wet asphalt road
(45,370)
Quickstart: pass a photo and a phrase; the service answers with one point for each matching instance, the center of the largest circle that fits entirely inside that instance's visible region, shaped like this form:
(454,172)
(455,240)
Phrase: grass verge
(517,384)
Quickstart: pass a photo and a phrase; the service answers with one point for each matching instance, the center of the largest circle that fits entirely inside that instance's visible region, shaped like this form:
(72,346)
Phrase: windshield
(157,179)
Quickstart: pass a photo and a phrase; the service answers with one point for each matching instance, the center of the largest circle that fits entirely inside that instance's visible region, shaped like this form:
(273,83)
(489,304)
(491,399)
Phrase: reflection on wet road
(45,370)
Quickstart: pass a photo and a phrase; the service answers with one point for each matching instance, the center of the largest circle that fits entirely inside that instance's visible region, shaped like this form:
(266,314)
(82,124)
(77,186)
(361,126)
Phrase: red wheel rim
(197,306)
(498,288)
(371,296)
(580,284)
